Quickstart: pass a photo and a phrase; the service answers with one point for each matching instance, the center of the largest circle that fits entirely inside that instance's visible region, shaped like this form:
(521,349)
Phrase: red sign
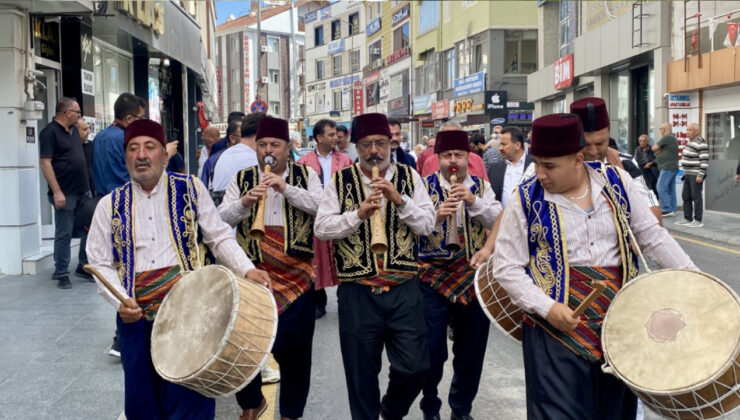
(397,55)
(427,123)
(440,109)
(219,83)
(258,106)
(357,98)
(246,72)
(563,72)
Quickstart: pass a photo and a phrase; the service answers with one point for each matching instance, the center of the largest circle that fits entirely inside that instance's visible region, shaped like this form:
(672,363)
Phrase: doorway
(641,109)
(47,92)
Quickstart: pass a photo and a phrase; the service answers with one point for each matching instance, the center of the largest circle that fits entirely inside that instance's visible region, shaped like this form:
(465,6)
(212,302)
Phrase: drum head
(672,330)
(192,322)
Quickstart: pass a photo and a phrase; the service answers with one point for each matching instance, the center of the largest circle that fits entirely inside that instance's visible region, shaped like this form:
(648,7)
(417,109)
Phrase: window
(275,108)
(337,104)
(401,37)
(355,60)
(273,44)
(373,10)
(520,52)
(354,23)
(567,29)
(446,11)
(472,59)
(374,51)
(336,30)
(274,76)
(448,70)
(318,36)
(337,64)
(234,44)
(428,15)
(319,69)
(419,72)
(429,72)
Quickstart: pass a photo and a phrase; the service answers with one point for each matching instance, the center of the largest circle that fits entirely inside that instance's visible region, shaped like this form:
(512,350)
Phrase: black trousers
(693,202)
(321,298)
(367,322)
(562,385)
(292,351)
(468,348)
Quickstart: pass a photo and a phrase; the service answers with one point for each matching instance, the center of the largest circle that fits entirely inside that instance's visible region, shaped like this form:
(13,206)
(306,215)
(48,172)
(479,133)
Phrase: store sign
(400,15)
(397,55)
(342,81)
(563,69)
(463,106)
(683,108)
(245,41)
(496,100)
(440,109)
(148,13)
(357,98)
(335,47)
(219,86)
(311,17)
(371,28)
(427,123)
(46,39)
(422,104)
(398,107)
(88,83)
(475,83)
(326,12)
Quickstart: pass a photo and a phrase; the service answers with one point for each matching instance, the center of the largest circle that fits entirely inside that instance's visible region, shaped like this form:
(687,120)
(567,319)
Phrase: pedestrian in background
(667,160)
(343,143)
(490,155)
(694,161)
(645,158)
(65,169)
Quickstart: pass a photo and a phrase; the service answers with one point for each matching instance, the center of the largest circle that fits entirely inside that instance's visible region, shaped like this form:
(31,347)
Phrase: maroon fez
(592,112)
(368,124)
(452,140)
(556,135)
(273,127)
(149,128)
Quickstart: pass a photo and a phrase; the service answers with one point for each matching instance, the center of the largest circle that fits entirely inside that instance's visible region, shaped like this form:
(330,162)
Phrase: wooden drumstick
(598,289)
(92,270)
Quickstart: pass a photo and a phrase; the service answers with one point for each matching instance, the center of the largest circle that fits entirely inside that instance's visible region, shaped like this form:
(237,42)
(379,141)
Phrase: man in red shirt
(429,164)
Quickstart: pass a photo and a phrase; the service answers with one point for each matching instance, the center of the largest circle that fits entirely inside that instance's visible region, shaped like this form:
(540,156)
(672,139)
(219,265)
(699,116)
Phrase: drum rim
(699,385)
(485,309)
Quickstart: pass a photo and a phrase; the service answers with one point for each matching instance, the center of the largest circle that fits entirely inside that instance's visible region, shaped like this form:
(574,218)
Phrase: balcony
(718,68)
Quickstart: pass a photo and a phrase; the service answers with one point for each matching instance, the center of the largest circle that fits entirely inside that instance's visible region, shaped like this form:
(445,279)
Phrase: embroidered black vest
(298,225)
(352,255)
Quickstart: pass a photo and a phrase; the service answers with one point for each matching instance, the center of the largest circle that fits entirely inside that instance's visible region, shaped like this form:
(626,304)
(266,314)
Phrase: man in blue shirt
(224,143)
(109,161)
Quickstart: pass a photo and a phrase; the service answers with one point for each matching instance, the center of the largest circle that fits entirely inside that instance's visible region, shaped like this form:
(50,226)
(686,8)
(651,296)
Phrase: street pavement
(54,343)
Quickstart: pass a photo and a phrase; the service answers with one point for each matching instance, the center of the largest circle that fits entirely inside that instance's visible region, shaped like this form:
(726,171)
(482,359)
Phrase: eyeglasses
(379,144)
(76,111)
(137,117)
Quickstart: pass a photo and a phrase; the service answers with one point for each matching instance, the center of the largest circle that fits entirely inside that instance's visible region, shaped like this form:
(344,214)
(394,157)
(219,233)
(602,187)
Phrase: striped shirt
(695,157)
(591,239)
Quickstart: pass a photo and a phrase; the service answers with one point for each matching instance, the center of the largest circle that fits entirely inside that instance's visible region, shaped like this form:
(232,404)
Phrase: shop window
(336,30)
(354,24)
(113,76)
(428,15)
(318,36)
(337,95)
(273,44)
(401,37)
(355,58)
(337,65)
(275,108)
(723,135)
(520,52)
(374,51)
(319,69)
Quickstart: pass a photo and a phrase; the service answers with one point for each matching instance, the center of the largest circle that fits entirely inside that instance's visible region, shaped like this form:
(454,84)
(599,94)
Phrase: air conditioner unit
(375,51)
(263,48)
(265,80)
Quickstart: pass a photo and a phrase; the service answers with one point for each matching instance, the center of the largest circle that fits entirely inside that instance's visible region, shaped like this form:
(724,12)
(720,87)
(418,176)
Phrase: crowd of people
(445,211)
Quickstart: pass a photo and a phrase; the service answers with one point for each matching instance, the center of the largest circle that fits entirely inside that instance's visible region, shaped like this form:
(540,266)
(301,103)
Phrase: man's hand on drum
(561,317)
(480,257)
(127,314)
(252,196)
(259,276)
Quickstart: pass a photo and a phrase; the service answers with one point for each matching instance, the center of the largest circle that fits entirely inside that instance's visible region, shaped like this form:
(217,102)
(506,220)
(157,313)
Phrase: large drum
(213,331)
(673,337)
(496,303)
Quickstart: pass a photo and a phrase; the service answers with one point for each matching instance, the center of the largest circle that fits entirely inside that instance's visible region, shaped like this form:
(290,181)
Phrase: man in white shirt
(239,156)
(291,192)
(515,168)
(150,249)
(344,145)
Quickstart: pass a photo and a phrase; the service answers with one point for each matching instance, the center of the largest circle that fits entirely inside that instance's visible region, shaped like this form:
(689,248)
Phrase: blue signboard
(422,104)
(475,83)
(372,27)
(311,17)
(335,47)
(326,12)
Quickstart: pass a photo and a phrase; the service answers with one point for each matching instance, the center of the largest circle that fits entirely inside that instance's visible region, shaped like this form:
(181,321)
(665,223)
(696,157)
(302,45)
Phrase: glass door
(47,91)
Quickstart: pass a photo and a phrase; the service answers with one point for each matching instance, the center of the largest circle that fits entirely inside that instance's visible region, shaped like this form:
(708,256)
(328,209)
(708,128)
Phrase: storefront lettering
(563,69)
(149,14)
(46,39)
(397,55)
(245,41)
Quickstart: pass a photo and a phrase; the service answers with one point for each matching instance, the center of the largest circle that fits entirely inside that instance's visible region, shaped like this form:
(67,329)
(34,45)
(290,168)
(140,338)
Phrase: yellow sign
(600,12)
(467,105)
(150,14)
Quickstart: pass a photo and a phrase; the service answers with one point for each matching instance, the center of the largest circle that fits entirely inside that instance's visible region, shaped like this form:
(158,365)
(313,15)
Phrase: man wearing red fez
(291,194)
(149,250)
(466,207)
(562,230)
(380,303)
(595,120)
(428,164)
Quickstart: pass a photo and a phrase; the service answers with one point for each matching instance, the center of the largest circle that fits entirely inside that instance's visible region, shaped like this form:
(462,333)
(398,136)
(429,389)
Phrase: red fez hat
(144,127)
(592,112)
(368,124)
(273,127)
(556,135)
(451,140)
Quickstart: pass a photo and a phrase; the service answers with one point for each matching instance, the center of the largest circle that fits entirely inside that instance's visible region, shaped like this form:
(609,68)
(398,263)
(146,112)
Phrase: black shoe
(115,348)
(432,417)
(64,283)
(79,272)
(57,275)
(454,416)
(320,311)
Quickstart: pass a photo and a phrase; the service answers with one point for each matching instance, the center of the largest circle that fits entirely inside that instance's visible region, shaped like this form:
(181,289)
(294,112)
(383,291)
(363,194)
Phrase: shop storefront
(722,131)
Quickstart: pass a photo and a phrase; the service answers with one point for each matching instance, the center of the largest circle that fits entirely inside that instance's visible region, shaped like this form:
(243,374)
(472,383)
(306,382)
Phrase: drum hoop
(229,328)
(487,312)
(697,386)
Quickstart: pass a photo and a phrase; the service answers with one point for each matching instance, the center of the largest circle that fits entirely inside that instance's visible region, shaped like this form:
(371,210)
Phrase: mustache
(138,163)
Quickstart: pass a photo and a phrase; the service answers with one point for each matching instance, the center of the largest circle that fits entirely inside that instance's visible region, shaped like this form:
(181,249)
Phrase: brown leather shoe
(254,413)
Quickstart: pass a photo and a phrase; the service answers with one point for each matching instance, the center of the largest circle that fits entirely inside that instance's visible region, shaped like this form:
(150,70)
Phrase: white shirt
(152,236)
(486,208)
(232,160)
(591,239)
(202,160)
(512,177)
(325,163)
(417,213)
(350,151)
(233,212)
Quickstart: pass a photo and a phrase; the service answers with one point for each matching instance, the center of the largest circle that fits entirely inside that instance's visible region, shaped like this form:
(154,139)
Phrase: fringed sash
(152,286)
(452,278)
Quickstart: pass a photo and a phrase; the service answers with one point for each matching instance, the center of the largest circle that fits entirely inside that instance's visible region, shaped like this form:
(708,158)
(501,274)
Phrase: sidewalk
(718,227)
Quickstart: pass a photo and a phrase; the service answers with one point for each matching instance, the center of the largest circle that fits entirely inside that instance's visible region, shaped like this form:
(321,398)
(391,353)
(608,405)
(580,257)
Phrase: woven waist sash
(291,277)
(152,286)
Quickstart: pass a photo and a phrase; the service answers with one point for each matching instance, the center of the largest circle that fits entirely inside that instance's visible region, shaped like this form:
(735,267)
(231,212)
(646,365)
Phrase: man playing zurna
(143,235)
(291,192)
(466,206)
(561,231)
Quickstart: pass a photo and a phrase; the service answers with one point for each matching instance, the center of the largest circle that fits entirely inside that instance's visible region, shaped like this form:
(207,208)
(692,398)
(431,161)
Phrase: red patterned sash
(152,286)
(291,277)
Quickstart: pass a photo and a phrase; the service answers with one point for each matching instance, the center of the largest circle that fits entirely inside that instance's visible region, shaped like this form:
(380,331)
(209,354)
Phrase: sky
(226,8)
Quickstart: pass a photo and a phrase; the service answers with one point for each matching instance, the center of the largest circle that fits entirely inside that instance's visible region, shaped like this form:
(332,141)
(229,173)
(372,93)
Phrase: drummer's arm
(100,253)
(331,223)
(653,239)
(512,256)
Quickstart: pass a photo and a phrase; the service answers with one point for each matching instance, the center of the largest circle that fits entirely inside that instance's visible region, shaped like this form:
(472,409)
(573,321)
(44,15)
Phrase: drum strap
(585,339)
(152,286)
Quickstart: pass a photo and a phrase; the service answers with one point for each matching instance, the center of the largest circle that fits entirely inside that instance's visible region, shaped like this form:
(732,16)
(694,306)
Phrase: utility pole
(259,50)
